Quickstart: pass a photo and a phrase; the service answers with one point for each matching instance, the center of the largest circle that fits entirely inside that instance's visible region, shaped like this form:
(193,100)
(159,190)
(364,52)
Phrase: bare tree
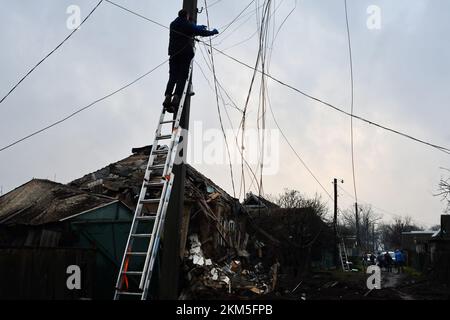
(436,227)
(294,199)
(444,190)
(368,234)
(392,233)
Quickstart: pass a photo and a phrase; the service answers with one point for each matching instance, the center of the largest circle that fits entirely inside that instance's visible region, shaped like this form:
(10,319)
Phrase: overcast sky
(401,80)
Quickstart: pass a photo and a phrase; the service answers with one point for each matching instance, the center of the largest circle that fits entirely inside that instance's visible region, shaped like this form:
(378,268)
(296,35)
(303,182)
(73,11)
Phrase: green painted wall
(105,229)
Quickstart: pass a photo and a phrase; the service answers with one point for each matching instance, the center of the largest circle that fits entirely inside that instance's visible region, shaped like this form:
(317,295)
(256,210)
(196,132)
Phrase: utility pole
(336,262)
(373,238)
(357,226)
(170,260)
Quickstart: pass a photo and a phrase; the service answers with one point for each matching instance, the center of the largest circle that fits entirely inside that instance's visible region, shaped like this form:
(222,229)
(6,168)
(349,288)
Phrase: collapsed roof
(123,180)
(40,201)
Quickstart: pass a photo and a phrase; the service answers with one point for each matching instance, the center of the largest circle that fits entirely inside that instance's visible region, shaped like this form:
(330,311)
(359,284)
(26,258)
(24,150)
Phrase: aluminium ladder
(142,246)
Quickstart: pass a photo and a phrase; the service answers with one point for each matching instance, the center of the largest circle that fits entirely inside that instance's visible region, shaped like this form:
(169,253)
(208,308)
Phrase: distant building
(256,205)
(416,245)
(440,252)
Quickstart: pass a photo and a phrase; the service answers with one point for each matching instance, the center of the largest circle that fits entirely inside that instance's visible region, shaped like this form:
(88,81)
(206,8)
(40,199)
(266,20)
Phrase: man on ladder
(181,53)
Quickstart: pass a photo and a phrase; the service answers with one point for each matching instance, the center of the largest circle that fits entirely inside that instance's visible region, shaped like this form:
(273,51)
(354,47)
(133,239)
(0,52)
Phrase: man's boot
(167,101)
(168,104)
(175,101)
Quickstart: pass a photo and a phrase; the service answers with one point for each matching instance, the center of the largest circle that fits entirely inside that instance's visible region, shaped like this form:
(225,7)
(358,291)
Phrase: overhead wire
(221,88)
(225,27)
(252,82)
(223,38)
(214,3)
(390,213)
(299,157)
(405,135)
(49,54)
(309,96)
(352,100)
(83,108)
(218,105)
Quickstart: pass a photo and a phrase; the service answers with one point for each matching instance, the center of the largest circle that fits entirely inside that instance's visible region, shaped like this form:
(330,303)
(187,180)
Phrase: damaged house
(94,214)
(45,227)
(224,251)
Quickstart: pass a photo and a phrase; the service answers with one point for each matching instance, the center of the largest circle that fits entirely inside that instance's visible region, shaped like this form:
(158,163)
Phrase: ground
(336,285)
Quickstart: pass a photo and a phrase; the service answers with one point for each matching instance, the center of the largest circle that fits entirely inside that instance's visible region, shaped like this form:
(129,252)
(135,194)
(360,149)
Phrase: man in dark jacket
(181,52)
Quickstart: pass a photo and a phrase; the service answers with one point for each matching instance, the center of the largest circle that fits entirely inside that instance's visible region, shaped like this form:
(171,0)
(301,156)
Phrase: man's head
(183,14)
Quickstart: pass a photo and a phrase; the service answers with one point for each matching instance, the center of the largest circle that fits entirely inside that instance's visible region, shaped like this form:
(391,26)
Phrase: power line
(237,17)
(352,99)
(249,169)
(392,214)
(297,154)
(218,106)
(83,109)
(50,53)
(405,135)
(214,3)
(140,15)
(440,148)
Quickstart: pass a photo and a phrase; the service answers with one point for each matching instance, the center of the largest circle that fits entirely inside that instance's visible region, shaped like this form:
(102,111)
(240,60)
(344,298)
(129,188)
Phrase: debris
(297,286)
(274,270)
(256,290)
(235,266)
(368,292)
(196,254)
(214,274)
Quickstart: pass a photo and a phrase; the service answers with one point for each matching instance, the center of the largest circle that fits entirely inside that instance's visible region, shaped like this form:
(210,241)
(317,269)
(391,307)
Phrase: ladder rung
(142,254)
(147,218)
(150,201)
(127,293)
(157,166)
(164,137)
(167,121)
(141,235)
(155,184)
(132,273)
(160,151)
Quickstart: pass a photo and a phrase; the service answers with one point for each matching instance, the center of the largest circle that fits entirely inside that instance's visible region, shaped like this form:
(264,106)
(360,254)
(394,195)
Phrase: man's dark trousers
(178,74)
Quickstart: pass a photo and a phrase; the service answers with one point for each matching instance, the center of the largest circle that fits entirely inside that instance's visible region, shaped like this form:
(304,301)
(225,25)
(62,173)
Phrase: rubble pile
(233,277)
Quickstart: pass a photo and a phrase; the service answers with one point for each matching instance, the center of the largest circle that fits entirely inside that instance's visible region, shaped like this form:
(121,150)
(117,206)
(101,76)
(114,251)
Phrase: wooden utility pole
(373,238)
(335,223)
(170,260)
(357,226)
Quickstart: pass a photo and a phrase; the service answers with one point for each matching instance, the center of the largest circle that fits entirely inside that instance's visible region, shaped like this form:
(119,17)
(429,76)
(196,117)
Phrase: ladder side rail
(157,239)
(156,225)
(176,133)
(138,208)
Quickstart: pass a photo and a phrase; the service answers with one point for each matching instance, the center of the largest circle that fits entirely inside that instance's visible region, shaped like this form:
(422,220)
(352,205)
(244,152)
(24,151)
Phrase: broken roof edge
(68,185)
(263,202)
(26,183)
(12,200)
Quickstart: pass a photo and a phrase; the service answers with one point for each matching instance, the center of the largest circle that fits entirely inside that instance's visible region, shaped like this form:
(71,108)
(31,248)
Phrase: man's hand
(215,31)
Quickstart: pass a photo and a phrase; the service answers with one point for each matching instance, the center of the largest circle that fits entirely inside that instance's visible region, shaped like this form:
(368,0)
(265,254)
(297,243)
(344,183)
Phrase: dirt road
(394,281)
